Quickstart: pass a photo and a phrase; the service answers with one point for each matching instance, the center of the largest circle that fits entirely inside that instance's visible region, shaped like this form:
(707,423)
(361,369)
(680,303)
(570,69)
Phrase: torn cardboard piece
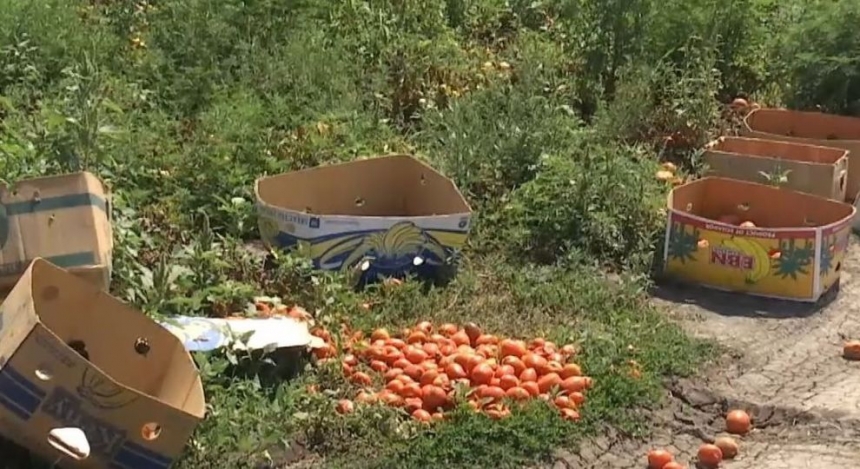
(64,219)
(75,357)
(385,216)
(793,252)
(200,334)
(812,169)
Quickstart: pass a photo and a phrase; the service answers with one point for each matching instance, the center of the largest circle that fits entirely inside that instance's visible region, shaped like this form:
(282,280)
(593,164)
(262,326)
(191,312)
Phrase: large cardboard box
(812,128)
(64,219)
(386,216)
(73,356)
(811,169)
(794,253)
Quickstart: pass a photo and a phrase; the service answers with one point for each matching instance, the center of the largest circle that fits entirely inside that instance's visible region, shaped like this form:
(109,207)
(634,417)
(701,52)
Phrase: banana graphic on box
(399,244)
(761,259)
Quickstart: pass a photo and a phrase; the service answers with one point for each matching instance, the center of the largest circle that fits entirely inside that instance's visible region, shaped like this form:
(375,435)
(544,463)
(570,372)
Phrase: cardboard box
(811,169)
(812,128)
(794,253)
(64,219)
(387,216)
(73,356)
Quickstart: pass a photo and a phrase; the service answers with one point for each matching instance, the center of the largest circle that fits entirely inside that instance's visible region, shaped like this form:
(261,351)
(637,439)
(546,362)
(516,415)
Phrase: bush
(820,54)
(599,201)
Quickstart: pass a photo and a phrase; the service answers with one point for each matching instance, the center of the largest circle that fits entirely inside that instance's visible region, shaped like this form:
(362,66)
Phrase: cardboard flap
(799,152)
(132,350)
(803,124)
(770,207)
(17,317)
(388,186)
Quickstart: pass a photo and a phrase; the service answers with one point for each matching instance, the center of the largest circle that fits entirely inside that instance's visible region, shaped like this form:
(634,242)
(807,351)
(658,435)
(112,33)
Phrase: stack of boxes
(774,213)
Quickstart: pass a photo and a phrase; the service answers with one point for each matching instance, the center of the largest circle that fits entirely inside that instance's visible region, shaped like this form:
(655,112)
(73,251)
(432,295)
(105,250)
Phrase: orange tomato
(415,355)
(571,369)
(392,374)
(361,378)
(345,406)
(455,371)
(574,384)
(577,398)
(428,377)
(413,371)
(658,458)
(424,326)
(512,348)
(548,381)
(710,455)
(517,393)
(529,374)
(350,359)
(396,343)
(365,397)
(434,397)
(422,415)
(380,334)
(539,363)
(416,337)
(411,404)
(503,370)
(486,339)
(569,414)
(554,367)
(411,390)
(563,402)
(437,416)
(431,349)
(531,387)
(461,338)
(448,329)
(395,386)
(378,366)
(508,381)
(401,363)
(515,362)
(492,392)
(482,374)
(389,398)
(738,422)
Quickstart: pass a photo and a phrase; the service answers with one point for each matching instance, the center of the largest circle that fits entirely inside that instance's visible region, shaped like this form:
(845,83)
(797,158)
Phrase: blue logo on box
(315,222)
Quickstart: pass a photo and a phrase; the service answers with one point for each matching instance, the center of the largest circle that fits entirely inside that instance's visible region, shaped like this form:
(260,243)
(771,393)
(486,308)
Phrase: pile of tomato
(428,370)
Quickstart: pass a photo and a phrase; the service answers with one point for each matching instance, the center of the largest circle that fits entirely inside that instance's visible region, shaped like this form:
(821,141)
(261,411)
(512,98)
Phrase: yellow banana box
(88,382)
(755,239)
(384,216)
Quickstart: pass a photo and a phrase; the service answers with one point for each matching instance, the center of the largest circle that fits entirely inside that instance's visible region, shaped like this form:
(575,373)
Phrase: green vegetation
(551,115)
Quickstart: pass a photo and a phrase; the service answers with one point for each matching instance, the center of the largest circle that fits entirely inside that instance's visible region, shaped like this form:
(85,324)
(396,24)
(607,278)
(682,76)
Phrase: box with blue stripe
(65,219)
(384,216)
(134,394)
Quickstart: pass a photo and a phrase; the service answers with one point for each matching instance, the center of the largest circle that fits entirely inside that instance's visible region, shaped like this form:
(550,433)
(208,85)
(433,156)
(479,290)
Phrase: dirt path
(783,365)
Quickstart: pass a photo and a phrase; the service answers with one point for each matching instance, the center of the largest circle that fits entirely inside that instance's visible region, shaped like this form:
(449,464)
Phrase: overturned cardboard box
(756,239)
(811,128)
(384,216)
(64,219)
(811,169)
(75,358)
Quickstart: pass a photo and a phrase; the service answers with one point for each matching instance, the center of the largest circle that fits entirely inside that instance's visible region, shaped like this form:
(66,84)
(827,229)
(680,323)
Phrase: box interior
(393,186)
(812,125)
(767,207)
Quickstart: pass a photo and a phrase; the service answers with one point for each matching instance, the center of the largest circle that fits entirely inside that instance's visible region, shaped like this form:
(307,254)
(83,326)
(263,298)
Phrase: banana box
(811,128)
(756,239)
(384,216)
(88,382)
